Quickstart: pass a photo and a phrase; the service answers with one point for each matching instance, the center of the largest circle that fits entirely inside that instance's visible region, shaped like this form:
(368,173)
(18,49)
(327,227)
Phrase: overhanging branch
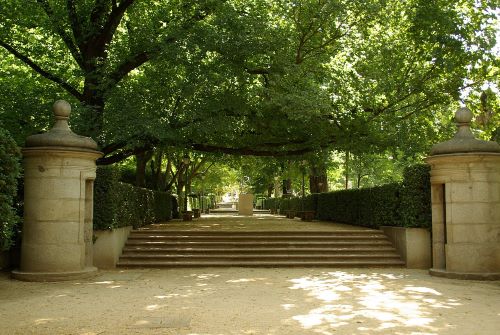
(25,59)
(58,28)
(251,151)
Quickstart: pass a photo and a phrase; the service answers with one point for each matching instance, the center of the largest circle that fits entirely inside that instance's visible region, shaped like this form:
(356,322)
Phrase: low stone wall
(413,244)
(108,246)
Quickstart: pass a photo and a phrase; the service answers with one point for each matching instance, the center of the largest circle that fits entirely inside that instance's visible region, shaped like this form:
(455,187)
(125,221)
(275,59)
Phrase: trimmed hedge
(369,207)
(118,204)
(406,204)
(9,173)
(284,204)
(416,209)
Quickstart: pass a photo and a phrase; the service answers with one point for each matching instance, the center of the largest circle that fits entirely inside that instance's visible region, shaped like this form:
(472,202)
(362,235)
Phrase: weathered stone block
(473,257)
(477,233)
(52,209)
(49,232)
(245,204)
(108,246)
(413,244)
(473,212)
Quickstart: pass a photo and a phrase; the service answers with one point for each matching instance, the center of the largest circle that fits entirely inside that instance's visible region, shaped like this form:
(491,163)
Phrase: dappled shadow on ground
(214,301)
(327,302)
(374,302)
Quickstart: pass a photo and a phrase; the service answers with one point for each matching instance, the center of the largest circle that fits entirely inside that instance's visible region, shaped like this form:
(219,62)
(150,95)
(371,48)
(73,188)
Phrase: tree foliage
(260,77)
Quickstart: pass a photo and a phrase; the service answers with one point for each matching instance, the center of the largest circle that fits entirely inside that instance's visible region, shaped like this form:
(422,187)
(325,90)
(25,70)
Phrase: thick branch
(25,59)
(257,71)
(74,19)
(112,23)
(113,147)
(250,151)
(124,68)
(98,11)
(137,60)
(122,155)
(68,41)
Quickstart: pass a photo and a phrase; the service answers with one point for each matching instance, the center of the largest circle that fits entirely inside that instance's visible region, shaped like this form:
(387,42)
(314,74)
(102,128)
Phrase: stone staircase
(189,248)
(230,208)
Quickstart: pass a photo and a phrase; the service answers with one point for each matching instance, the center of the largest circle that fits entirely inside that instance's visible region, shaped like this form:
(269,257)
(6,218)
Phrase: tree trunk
(346,170)
(180,192)
(287,187)
(156,174)
(93,112)
(318,180)
(270,189)
(318,184)
(140,172)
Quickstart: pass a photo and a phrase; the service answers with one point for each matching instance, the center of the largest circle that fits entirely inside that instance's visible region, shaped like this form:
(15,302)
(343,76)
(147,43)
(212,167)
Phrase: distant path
(249,223)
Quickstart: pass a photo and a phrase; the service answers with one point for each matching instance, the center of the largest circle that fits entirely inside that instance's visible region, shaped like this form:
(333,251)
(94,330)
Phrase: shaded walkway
(251,223)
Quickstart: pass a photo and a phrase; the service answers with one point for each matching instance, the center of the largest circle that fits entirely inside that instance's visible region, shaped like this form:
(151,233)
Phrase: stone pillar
(465,179)
(245,204)
(59,172)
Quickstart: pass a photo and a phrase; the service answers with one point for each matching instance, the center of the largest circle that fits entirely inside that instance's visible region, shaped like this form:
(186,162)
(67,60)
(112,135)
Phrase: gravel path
(215,301)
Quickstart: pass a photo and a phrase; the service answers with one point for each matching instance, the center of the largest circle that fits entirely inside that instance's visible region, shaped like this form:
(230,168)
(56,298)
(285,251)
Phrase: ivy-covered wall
(406,204)
(118,204)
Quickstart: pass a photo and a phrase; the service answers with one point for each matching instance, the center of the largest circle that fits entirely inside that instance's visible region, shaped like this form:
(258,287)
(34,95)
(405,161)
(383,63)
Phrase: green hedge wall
(118,204)
(416,210)
(9,173)
(369,207)
(406,204)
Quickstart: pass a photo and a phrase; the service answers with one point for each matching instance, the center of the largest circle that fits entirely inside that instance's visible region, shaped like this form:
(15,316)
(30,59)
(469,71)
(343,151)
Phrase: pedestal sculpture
(59,171)
(465,179)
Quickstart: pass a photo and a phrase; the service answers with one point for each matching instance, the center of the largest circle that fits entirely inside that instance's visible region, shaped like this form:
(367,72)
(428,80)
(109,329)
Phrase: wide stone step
(265,249)
(161,232)
(311,238)
(259,248)
(224,210)
(256,244)
(260,263)
(226,204)
(259,257)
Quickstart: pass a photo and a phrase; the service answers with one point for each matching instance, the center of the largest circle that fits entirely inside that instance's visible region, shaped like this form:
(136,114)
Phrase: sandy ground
(252,301)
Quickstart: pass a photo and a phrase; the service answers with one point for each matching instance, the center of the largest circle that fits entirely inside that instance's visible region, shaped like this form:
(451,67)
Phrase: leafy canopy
(258,77)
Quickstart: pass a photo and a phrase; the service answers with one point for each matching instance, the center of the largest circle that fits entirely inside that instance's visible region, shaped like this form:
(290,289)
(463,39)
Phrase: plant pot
(187,216)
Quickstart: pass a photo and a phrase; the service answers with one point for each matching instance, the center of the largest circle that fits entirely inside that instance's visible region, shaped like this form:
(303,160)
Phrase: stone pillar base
(464,275)
(54,276)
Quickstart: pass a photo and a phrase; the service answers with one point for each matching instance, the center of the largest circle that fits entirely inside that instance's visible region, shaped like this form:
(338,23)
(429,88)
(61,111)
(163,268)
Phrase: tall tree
(259,77)
(88,47)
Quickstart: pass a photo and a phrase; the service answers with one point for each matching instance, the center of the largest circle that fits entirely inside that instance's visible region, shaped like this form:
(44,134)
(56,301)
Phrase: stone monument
(245,204)
(465,188)
(59,172)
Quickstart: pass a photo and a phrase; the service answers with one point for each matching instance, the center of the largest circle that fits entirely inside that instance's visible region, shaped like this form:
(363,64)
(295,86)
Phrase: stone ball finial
(62,109)
(464,140)
(463,115)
